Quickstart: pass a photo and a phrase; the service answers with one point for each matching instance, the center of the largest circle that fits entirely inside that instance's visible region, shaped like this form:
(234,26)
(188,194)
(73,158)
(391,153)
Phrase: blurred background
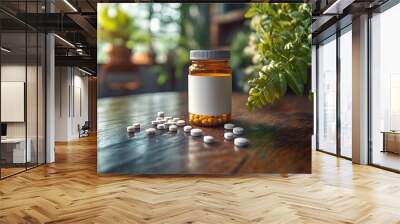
(144,47)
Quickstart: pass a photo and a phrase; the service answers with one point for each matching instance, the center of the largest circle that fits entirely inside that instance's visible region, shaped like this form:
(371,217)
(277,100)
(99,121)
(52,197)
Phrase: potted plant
(280,45)
(119,30)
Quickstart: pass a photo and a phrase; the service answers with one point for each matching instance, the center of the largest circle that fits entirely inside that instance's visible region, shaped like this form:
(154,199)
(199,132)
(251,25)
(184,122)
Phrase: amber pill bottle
(209,88)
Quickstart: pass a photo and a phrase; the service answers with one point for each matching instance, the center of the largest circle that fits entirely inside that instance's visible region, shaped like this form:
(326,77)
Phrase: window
(326,91)
(385,89)
(346,92)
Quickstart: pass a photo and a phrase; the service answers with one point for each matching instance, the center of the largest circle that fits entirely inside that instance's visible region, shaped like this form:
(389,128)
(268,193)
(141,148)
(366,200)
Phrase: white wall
(71,93)
(13,73)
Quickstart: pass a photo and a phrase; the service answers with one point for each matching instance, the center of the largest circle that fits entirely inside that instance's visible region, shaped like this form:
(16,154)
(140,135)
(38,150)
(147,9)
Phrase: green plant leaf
(280,44)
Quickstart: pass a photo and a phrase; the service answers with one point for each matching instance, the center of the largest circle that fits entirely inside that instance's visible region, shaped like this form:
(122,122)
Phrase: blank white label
(210,95)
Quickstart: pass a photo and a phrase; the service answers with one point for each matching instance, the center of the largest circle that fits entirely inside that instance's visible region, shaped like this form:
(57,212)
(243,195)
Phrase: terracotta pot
(119,56)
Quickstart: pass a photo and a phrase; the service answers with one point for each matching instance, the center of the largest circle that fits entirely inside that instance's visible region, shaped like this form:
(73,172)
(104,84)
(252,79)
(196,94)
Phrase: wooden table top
(280,138)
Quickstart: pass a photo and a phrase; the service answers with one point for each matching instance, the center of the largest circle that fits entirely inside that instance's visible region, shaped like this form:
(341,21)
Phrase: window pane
(327,96)
(345,94)
(14,153)
(385,84)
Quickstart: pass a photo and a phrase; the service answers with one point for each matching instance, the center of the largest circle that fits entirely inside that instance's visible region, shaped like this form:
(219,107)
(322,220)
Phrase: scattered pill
(159,118)
(161,126)
(229,126)
(136,125)
(238,130)
(161,121)
(167,118)
(228,135)
(130,129)
(173,128)
(180,123)
(187,128)
(196,132)
(150,131)
(208,139)
(176,119)
(241,142)
(154,122)
(170,123)
(160,114)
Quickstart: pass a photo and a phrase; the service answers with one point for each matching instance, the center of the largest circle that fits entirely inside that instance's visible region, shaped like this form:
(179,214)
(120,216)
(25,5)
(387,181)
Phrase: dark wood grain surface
(280,138)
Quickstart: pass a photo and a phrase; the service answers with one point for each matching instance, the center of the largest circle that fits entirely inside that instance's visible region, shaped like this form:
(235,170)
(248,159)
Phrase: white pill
(241,142)
(170,123)
(196,132)
(176,119)
(208,139)
(161,126)
(161,121)
(187,128)
(130,129)
(136,125)
(228,135)
(167,118)
(160,114)
(173,128)
(150,131)
(154,122)
(180,123)
(238,130)
(229,126)
(159,118)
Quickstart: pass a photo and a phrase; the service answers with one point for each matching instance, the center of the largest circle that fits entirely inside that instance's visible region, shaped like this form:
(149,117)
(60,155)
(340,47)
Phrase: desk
(280,138)
(16,148)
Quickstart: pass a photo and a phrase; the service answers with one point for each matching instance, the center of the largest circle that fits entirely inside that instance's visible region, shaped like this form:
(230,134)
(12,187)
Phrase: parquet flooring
(70,191)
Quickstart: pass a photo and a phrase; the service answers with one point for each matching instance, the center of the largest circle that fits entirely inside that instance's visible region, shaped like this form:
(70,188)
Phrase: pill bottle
(209,87)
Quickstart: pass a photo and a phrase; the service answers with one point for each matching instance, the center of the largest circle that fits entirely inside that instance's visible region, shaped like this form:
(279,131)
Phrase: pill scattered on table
(187,128)
(176,119)
(208,139)
(136,125)
(228,135)
(196,132)
(160,114)
(167,118)
(130,129)
(229,126)
(180,123)
(173,128)
(150,131)
(159,118)
(161,126)
(154,122)
(170,123)
(241,142)
(238,130)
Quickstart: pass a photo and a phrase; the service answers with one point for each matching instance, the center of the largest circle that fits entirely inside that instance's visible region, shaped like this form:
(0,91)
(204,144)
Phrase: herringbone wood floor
(70,191)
